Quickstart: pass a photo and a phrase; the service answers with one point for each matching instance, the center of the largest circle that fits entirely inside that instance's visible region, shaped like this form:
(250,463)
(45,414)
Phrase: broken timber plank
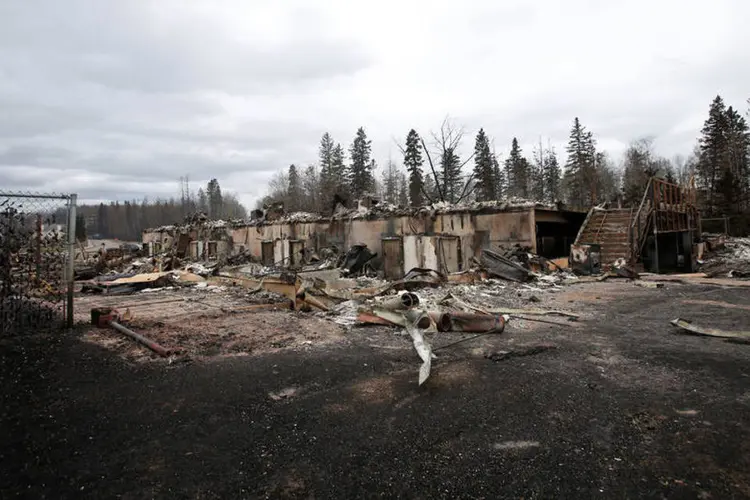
(718,303)
(696,278)
(534,312)
(710,332)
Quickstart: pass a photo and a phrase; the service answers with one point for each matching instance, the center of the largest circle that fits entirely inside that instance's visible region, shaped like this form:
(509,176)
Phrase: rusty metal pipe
(311,300)
(418,318)
(442,320)
(477,323)
(403,301)
(161,351)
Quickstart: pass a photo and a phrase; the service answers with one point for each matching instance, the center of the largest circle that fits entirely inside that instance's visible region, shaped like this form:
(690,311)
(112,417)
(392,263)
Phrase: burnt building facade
(444,239)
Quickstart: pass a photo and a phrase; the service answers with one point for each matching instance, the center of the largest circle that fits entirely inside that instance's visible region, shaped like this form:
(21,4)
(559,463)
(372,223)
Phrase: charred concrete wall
(448,240)
(474,232)
(197,242)
(468,232)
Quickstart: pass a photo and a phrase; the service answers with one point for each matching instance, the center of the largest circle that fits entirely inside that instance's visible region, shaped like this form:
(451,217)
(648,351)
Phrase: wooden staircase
(609,228)
(625,233)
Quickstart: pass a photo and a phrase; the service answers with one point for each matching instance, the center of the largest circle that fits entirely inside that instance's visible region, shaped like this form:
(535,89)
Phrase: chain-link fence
(37,241)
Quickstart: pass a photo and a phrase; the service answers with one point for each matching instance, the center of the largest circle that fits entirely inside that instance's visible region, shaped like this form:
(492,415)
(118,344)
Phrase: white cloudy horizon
(118,100)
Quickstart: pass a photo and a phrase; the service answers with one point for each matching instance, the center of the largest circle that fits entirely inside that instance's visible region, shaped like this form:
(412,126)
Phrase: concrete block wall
(474,230)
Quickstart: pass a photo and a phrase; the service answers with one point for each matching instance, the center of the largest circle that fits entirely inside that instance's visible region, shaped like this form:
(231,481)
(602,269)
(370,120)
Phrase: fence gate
(37,248)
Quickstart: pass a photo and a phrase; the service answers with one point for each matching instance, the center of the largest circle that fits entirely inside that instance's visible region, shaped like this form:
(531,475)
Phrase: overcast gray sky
(118,99)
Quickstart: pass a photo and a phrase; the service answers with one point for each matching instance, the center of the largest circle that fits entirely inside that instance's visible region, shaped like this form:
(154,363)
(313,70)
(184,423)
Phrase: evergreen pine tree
(450,173)
(638,168)
(591,170)
(339,172)
(325,158)
(202,201)
(606,178)
(101,221)
(713,150)
(390,183)
(215,202)
(536,178)
(499,177)
(413,162)
(580,170)
(403,190)
(329,180)
(738,162)
(484,174)
(311,190)
(517,172)
(294,191)
(361,168)
(551,176)
(430,188)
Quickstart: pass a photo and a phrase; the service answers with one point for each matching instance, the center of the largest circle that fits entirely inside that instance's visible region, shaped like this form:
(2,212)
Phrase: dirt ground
(615,405)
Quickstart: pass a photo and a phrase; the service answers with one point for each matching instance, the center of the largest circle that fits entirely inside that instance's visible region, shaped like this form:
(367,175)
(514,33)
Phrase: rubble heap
(726,256)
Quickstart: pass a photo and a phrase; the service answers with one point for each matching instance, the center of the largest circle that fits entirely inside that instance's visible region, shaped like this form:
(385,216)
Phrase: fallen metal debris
(687,326)
(401,302)
(395,318)
(161,351)
(502,267)
(537,320)
(697,278)
(304,297)
(505,318)
(442,320)
(648,284)
(356,259)
(418,318)
(534,312)
(625,271)
(103,317)
(424,350)
(283,393)
(127,283)
(418,278)
(477,323)
(585,259)
(522,351)
(345,313)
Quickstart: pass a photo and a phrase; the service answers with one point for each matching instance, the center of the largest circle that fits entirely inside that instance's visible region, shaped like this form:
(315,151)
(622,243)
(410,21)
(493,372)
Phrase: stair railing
(577,241)
(640,224)
(599,230)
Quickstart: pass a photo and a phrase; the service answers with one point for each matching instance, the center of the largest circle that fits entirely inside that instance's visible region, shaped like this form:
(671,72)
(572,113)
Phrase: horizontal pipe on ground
(442,320)
(401,302)
(311,300)
(367,318)
(161,351)
(418,318)
(477,323)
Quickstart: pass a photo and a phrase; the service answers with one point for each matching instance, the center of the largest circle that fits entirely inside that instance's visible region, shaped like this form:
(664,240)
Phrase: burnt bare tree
(450,184)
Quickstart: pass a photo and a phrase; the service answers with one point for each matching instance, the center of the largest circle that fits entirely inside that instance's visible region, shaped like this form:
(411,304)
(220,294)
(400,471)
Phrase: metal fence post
(71,256)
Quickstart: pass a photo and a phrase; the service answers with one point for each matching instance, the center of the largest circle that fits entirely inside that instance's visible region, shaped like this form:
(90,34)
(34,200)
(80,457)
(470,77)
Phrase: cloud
(117,100)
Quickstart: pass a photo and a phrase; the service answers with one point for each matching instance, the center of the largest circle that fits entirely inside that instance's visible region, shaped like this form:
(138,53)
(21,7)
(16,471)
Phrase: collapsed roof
(376,211)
